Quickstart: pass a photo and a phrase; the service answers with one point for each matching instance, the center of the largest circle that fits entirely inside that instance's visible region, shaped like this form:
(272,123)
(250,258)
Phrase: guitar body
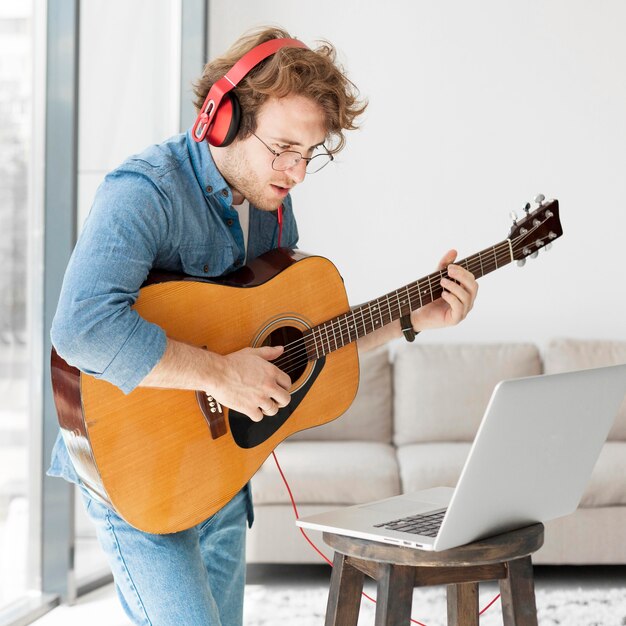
(153,454)
(167,459)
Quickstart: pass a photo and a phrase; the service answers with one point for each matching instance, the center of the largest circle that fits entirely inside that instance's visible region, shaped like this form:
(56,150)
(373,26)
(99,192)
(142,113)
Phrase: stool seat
(397,570)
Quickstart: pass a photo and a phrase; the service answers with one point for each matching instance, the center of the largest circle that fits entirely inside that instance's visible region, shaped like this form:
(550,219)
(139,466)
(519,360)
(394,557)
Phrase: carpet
(274,606)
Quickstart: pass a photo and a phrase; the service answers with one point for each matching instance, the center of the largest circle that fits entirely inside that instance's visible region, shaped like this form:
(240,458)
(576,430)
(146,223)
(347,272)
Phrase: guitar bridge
(213,413)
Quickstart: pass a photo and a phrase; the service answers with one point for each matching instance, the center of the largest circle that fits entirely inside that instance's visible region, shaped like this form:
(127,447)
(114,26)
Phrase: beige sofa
(411,427)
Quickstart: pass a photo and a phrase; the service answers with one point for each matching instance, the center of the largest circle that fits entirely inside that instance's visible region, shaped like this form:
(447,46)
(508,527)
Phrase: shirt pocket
(206,260)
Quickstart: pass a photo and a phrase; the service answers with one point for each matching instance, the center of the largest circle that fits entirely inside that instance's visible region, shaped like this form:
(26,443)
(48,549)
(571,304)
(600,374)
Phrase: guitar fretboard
(366,318)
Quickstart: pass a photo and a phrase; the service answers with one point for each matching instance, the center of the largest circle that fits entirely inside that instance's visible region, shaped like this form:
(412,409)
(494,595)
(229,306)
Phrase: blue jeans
(191,578)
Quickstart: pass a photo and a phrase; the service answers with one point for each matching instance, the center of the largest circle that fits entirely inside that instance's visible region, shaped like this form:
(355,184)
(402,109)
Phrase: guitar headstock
(536,230)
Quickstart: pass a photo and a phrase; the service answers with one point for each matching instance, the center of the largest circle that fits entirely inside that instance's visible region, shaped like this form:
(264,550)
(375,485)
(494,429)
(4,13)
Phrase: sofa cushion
(563,355)
(369,417)
(441,391)
(425,465)
(606,485)
(333,472)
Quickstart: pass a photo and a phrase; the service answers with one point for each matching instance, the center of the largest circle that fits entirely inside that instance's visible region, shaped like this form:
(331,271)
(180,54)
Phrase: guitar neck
(370,316)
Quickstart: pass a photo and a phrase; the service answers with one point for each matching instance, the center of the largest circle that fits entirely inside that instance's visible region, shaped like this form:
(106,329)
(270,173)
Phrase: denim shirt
(168,208)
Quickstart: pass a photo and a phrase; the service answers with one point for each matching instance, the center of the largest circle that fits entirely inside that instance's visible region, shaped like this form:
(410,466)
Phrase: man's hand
(456,300)
(248,382)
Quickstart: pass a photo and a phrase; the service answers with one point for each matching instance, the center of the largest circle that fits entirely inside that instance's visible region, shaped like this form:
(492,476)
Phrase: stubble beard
(239,174)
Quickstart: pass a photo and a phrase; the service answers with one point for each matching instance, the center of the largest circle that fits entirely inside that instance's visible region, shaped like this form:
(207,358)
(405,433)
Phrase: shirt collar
(207,174)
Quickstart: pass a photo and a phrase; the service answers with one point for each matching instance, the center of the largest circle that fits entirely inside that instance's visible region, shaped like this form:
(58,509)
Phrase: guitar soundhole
(294,360)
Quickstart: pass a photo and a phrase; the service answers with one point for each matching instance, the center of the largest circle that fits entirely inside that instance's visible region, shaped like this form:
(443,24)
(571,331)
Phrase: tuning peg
(513,216)
(547,246)
(534,254)
(539,198)
(521,262)
(527,208)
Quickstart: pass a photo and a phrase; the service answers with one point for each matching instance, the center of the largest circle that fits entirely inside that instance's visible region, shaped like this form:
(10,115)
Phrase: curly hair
(313,73)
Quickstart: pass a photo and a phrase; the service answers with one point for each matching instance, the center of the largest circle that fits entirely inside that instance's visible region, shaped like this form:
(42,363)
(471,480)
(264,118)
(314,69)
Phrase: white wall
(474,108)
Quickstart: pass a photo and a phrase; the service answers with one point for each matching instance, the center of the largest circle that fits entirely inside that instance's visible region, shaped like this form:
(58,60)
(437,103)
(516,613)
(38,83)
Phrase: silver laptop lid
(534,452)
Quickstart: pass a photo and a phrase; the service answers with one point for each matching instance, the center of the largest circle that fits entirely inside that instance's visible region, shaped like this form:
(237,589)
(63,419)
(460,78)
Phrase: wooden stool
(397,570)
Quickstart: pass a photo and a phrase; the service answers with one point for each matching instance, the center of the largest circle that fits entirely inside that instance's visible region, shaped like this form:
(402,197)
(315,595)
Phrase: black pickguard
(249,434)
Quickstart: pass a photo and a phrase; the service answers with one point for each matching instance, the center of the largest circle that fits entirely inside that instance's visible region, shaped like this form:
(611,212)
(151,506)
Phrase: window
(15,208)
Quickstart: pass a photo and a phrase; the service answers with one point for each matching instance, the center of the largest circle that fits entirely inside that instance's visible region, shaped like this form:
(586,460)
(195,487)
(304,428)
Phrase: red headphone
(220,114)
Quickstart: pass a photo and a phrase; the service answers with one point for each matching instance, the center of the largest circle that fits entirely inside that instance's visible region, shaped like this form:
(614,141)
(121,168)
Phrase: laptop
(532,456)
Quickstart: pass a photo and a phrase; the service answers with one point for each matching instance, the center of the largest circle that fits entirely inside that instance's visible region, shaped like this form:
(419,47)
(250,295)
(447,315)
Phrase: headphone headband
(232,78)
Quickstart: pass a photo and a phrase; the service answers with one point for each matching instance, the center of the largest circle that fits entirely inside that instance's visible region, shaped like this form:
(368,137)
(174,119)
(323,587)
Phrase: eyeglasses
(290,158)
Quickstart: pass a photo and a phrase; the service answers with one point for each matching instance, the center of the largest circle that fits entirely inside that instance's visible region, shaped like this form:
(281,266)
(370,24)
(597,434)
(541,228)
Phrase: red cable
(496,598)
(295,510)
(293,502)
(279,217)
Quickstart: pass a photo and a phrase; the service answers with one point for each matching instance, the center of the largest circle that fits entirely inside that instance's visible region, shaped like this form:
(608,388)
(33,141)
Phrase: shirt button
(230,222)
(209,189)
(225,193)
(206,269)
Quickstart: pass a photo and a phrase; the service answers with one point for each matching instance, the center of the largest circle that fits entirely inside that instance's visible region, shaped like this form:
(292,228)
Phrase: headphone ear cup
(225,122)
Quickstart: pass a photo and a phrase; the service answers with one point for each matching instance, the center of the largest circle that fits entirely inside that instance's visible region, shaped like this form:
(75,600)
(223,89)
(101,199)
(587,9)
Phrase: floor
(100,607)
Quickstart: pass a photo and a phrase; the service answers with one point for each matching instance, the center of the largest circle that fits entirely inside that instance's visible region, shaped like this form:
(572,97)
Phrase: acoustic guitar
(166,459)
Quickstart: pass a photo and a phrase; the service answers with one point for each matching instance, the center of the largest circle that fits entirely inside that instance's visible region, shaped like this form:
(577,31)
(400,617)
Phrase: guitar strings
(393,307)
(312,347)
(300,348)
(343,326)
(307,344)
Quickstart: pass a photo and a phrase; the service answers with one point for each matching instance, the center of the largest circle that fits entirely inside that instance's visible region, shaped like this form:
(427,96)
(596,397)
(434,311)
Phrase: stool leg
(463,604)
(394,595)
(344,597)
(518,594)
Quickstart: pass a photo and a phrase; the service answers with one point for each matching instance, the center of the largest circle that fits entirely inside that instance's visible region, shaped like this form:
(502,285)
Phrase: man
(203,208)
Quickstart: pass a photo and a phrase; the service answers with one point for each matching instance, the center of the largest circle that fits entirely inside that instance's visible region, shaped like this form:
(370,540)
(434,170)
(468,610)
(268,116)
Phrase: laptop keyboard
(422,524)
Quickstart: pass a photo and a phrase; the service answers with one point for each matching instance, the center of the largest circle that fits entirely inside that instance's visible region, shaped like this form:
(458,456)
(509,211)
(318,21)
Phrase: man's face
(290,123)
